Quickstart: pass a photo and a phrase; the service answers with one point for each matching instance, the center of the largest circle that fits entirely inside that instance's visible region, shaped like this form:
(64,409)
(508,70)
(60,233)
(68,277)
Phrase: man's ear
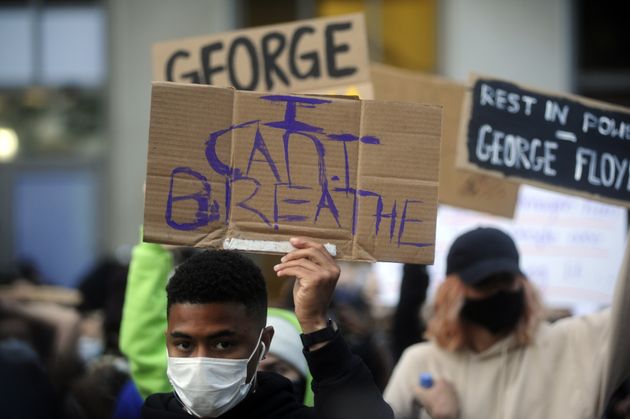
(267,336)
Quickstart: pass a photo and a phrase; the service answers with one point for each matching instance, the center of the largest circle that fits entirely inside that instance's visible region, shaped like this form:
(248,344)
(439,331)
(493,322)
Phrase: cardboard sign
(561,142)
(250,170)
(307,55)
(457,187)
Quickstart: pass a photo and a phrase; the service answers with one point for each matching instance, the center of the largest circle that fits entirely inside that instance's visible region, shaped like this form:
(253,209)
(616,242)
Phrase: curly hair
(446,328)
(219,276)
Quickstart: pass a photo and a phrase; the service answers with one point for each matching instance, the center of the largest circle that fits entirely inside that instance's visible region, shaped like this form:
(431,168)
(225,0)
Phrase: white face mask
(209,387)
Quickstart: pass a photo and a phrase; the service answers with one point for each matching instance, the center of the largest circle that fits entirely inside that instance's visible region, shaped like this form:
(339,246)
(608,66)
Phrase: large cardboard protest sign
(249,170)
(458,187)
(309,55)
(561,142)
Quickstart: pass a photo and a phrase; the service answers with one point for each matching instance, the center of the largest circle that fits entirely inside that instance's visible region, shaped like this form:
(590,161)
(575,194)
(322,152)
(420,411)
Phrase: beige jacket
(569,371)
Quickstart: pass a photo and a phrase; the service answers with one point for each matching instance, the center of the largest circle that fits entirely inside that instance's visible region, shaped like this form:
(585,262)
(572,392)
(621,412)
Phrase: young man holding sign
(216,336)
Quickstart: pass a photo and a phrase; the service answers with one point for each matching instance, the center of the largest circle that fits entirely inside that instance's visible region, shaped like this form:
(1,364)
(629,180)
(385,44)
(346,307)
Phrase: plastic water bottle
(426,380)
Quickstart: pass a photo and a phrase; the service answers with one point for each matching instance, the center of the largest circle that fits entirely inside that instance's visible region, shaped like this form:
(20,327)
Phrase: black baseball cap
(480,253)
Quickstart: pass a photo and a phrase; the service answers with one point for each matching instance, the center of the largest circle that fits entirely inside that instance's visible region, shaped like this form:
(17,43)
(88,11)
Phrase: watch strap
(319,336)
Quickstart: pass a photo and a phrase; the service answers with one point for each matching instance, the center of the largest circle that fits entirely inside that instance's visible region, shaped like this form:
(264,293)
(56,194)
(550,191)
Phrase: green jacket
(142,331)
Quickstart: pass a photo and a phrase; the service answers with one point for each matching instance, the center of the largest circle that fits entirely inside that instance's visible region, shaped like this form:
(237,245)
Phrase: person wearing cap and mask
(217,335)
(491,356)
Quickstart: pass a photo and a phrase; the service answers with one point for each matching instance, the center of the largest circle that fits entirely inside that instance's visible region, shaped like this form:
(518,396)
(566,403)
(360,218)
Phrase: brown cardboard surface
(458,187)
(534,125)
(360,175)
(308,55)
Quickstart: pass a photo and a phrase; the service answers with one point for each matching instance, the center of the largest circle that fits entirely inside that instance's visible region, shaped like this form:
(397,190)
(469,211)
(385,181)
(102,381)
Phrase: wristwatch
(322,335)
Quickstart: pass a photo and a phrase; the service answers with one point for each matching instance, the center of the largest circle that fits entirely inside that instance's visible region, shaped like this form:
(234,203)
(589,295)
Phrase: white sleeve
(598,345)
(399,390)
(618,365)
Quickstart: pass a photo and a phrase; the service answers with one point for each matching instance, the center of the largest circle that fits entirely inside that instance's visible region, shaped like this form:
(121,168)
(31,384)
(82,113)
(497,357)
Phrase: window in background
(16,47)
(55,215)
(52,101)
(73,49)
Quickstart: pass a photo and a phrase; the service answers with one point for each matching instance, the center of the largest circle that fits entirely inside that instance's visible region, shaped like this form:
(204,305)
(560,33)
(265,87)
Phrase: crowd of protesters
(486,350)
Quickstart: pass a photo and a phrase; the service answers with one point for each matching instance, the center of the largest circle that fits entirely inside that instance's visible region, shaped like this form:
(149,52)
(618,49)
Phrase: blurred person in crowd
(619,405)
(71,346)
(25,387)
(490,355)
(28,271)
(95,394)
(103,292)
(357,326)
(51,329)
(23,271)
(14,325)
(217,335)
(407,326)
(285,353)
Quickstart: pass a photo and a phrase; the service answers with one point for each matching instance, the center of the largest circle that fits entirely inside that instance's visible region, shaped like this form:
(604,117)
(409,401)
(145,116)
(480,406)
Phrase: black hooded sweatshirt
(342,385)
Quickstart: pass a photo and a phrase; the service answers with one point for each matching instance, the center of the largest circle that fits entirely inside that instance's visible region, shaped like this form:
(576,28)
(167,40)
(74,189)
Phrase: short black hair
(219,276)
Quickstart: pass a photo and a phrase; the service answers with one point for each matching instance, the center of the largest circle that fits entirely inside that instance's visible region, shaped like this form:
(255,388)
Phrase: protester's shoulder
(423,348)
(419,352)
(573,324)
(564,333)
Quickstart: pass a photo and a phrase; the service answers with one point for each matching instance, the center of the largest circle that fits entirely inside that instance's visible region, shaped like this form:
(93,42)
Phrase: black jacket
(342,384)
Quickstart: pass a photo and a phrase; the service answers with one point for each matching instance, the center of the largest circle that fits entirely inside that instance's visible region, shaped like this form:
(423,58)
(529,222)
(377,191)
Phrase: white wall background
(134,27)
(525,41)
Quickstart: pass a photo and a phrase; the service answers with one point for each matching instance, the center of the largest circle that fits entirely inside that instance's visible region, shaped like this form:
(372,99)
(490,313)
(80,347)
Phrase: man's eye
(223,345)
(183,346)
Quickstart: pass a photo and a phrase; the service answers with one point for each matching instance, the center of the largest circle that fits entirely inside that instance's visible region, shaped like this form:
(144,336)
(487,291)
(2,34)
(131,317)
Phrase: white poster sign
(571,248)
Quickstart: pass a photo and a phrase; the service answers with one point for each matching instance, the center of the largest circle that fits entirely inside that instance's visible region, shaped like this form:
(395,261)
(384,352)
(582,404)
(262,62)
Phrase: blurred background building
(75,87)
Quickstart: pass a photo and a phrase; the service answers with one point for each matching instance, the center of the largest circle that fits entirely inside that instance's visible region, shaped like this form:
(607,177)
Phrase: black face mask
(498,313)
